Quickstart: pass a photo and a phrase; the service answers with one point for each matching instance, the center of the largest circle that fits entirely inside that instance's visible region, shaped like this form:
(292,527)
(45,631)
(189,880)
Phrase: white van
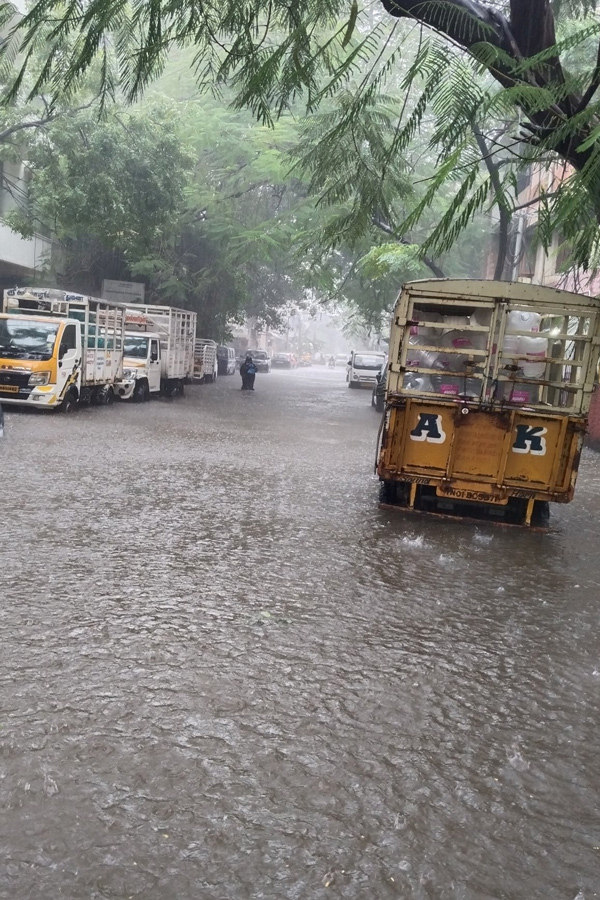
(363,367)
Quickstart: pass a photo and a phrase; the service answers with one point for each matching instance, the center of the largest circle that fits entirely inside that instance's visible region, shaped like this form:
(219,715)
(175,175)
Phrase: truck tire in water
(141,391)
(541,514)
(69,404)
(102,396)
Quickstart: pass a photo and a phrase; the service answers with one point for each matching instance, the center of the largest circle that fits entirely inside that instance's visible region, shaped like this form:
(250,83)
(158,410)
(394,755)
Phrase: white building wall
(33,254)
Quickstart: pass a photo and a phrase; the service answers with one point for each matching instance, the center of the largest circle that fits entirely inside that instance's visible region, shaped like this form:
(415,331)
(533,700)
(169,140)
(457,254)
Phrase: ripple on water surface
(226,673)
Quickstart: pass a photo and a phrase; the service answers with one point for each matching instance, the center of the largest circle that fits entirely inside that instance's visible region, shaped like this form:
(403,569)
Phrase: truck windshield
(136,347)
(368,362)
(26,339)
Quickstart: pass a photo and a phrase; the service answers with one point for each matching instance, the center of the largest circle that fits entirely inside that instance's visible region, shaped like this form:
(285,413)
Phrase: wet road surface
(225,673)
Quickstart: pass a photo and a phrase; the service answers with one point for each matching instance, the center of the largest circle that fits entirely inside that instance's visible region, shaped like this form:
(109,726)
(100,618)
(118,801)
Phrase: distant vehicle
(341,359)
(363,368)
(261,360)
(305,360)
(283,361)
(226,360)
(206,367)
(378,395)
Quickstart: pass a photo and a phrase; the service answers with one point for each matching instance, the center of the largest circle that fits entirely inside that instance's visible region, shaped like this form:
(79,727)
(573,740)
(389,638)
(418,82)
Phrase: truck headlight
(38,378)
(130,374)
(355,377)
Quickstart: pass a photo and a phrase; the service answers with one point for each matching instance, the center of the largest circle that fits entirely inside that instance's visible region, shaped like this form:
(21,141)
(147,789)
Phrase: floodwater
(227,674)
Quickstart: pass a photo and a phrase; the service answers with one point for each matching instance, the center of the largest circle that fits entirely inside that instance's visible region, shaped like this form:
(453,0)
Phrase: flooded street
(227,674)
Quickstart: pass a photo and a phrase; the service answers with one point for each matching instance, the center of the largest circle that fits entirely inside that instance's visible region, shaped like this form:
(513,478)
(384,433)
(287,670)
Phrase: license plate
(9,389)
(474,496)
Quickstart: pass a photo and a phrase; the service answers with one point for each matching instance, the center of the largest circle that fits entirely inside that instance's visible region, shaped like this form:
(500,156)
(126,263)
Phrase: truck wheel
(102,396)
(141,391)
(69,404)
(541,514)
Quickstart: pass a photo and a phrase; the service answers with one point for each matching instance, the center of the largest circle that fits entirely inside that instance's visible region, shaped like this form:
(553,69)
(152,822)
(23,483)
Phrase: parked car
(378,395)
(283,361)
(226,360)
(261,360)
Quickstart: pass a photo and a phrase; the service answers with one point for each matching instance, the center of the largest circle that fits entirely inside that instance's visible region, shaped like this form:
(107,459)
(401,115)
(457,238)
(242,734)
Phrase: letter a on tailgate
(529,440)
(428,428)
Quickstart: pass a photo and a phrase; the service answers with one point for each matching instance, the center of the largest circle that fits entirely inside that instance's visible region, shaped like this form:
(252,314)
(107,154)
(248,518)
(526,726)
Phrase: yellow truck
(487,394)
(59,348)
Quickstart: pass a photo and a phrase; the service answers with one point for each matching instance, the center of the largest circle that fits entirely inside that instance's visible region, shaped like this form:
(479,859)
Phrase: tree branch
(39,123)
(248,190)
(593,85)
(469,23)
(538,199)
(36,123)
(433,267)
(504,211)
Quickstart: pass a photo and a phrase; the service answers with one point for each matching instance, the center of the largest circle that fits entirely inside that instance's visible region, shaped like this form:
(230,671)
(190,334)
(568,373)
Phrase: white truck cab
(142,366)
(158,354)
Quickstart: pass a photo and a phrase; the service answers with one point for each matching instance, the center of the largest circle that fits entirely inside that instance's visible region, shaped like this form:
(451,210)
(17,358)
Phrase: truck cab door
(69,361)
(154,366)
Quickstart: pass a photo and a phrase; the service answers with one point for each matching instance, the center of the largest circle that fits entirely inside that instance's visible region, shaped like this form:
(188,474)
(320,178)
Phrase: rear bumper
(364,381)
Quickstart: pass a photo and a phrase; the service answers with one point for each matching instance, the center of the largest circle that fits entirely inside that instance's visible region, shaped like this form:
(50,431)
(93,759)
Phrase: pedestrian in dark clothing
(248,373)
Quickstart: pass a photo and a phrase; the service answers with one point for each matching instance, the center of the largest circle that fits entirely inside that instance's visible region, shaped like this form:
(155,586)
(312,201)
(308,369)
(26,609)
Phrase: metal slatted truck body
(59,348)
(159,351)
(487,395)
(206,366)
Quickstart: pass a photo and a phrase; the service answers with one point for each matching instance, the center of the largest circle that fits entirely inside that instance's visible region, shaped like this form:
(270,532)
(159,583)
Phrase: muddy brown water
(227,674)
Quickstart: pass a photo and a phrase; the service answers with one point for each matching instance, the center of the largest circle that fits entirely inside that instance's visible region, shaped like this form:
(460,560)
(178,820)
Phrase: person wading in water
(248,373)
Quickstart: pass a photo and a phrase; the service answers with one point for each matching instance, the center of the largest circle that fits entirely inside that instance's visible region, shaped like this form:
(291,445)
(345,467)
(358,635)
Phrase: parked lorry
(206,364)
(158,354)
(488,390)
(58,349)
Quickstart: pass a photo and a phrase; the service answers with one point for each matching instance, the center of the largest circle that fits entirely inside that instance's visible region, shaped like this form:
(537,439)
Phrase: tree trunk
(530,30)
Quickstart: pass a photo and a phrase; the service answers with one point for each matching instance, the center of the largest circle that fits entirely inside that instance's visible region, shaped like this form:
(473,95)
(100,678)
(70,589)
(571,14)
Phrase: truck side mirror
(154,356)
